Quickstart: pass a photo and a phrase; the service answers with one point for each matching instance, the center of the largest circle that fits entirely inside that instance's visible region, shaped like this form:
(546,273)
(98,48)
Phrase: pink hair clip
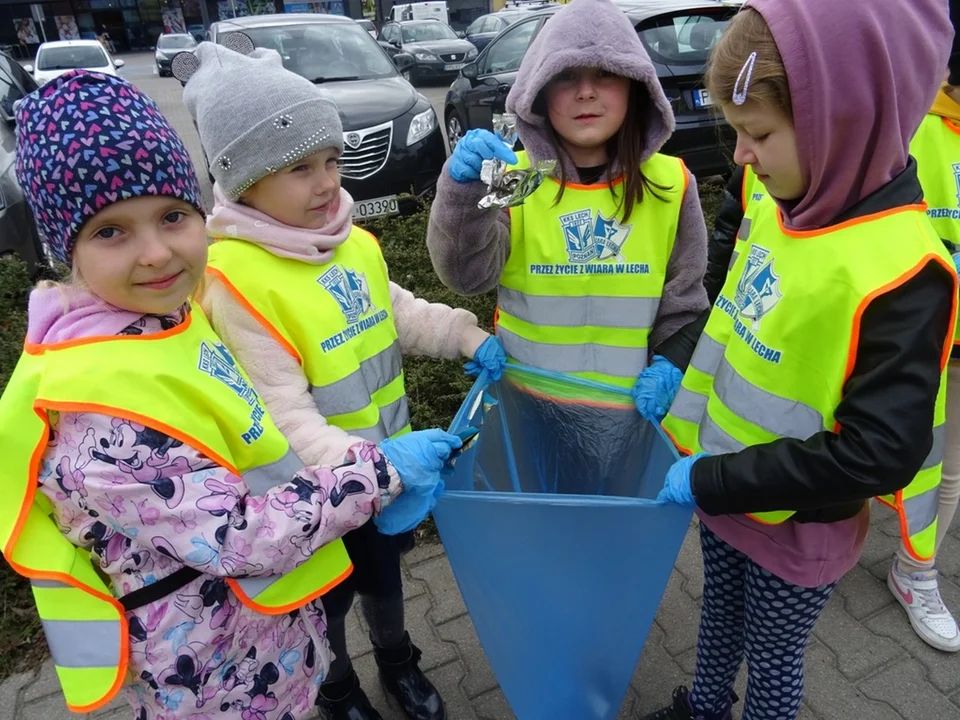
(740,94)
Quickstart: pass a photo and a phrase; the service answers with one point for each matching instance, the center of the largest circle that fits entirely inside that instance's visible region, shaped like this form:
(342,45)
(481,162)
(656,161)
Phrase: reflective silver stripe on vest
(733,259)
(48,583)
(707,355)
(935,456)
(393,418)
(588,357)
(715,440)
(83,643)
(280,472)
(921,510)
(591,310)
(689,405)
(255,585)
(353,393)
(744,231)
(775,414)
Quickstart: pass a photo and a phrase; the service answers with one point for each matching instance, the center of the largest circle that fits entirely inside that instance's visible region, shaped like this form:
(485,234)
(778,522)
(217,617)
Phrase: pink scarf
(231,219)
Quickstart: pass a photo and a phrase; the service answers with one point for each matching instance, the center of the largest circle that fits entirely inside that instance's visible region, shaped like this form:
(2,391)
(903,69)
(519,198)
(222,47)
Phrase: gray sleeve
(684,297)
(468,246)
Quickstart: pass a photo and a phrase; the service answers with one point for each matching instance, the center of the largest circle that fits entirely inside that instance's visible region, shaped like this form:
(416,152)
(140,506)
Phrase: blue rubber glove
(677,487)
(490,357)
(655,389)
(418,458)
(472,149)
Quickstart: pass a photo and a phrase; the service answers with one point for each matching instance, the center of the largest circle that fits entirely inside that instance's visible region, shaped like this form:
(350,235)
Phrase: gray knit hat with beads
(254,116)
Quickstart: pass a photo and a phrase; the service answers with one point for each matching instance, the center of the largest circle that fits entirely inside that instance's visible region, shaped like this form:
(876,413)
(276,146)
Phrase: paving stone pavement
(864,663)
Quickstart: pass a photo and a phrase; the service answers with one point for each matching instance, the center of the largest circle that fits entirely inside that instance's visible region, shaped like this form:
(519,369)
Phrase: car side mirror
(470,71)
(118,63)
(461,34)
(28,68)
(403,61)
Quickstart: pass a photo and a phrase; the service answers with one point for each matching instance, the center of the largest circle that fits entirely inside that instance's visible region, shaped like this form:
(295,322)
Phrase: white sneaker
(919,593)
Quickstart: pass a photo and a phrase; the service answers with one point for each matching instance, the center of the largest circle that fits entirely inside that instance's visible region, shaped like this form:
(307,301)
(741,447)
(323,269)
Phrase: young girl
(936,148)
(153,455)
(599,271)
(303,299)
(819,381)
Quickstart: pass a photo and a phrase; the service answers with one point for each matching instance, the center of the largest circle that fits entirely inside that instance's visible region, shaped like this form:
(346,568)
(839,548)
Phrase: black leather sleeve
(679,347)
(724,235)
(885,417)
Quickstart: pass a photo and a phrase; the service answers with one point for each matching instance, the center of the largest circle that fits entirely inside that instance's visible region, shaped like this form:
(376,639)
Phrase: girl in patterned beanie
(177,544)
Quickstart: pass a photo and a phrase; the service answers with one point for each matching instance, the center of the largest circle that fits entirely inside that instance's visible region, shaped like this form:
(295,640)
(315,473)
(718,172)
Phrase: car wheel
(410,75)
(455,128)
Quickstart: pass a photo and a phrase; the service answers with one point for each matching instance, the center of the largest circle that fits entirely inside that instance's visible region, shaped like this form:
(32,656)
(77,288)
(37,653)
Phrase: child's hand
(655,389)
(418,458)
(490,357)
(472,149)
(677,487)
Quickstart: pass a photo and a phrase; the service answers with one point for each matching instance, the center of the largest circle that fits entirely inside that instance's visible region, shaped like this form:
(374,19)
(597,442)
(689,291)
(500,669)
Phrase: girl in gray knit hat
(303,298)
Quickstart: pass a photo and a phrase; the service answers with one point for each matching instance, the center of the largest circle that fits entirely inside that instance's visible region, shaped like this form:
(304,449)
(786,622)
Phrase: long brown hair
(626,148)
(749,33)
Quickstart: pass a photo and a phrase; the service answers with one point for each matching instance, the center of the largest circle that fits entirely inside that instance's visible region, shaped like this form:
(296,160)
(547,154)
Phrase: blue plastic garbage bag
(560,551)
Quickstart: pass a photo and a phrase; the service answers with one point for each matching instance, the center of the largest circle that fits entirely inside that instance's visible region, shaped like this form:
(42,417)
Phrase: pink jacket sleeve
(168,497)
(434,329)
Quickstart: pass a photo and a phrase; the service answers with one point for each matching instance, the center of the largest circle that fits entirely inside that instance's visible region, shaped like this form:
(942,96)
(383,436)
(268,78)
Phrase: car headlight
(421,126)
(471,53)
(423,55)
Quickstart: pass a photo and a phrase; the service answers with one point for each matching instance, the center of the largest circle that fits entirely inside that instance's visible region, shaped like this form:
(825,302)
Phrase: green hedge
(436,388)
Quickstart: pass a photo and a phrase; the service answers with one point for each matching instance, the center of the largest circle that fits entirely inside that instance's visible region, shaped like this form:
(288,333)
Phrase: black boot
(345,700)
(681,709)
(404,680)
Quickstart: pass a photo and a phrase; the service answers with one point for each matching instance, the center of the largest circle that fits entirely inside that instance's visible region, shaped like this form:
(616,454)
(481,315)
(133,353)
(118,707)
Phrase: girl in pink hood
(820,378)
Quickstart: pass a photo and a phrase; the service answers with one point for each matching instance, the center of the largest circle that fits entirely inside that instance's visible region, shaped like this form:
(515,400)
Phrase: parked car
(370,27)
(437,50)
(678,35)
(393,143)
(18,231)
(197,31)
(169,45)
(56,58)
(486,27)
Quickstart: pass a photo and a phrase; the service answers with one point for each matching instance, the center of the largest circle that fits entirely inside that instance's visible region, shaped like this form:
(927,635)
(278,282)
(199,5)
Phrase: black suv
(18,231)
(393,143)
(439,52)
(678,35)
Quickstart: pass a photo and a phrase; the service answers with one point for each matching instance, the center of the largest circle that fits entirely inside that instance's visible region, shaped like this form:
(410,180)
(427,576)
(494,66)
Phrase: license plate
(701,98)
(455,66)
(377,207)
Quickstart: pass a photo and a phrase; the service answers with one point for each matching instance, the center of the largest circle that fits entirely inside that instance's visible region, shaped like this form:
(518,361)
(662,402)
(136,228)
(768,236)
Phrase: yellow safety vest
(777,348)
(182,382)
(936,147)
(336,319)
(580,291)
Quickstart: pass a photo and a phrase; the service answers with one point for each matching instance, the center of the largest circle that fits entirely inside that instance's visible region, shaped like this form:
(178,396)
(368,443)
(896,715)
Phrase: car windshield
(511,17)
(366,24)
(426,31)
(683,39)
(324,52)
(176,42)
(70,57)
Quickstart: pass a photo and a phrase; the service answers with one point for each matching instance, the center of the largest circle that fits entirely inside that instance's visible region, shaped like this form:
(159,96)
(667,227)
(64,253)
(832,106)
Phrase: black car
(437,50)
(678,35)
(18,231)
(486,27)
(169,45)
(393,143)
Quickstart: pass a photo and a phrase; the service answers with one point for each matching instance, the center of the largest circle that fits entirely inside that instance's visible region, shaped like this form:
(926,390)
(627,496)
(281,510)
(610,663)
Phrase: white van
(420,11)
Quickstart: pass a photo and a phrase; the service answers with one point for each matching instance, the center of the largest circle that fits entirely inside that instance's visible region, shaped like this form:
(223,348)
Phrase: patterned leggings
(748,611)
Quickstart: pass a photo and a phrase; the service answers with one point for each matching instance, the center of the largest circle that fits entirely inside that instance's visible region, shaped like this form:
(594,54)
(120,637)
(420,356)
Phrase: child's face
(766,141)
(143,254)
(303,194)
(586,107)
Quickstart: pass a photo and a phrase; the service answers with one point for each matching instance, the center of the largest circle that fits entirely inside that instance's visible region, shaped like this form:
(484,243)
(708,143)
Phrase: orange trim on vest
(743,190)
(951,126)
(594,187)
(35,459)
(40,348)
(682,450)
(267,325)
(921,207)
(253,605)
